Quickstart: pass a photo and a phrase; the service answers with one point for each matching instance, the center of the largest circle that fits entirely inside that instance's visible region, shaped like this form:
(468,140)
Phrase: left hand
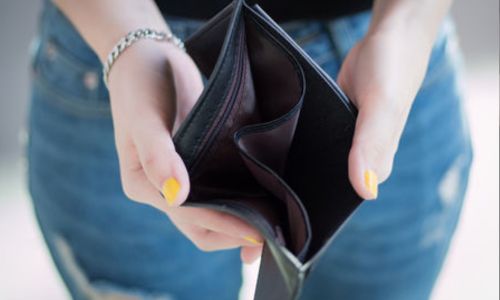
(381,75)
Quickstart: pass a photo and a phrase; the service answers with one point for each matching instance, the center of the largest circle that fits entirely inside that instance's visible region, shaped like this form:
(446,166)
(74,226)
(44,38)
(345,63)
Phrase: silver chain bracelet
(133,37)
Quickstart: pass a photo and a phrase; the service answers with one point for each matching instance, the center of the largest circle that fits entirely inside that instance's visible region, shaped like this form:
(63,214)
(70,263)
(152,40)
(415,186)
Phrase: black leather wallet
(268,141)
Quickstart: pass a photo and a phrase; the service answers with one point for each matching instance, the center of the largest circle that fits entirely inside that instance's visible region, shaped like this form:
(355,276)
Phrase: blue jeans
(104,244)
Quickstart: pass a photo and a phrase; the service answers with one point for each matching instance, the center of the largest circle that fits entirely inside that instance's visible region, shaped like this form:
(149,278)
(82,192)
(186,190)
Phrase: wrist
(141,36)
(146,57)
(105,46)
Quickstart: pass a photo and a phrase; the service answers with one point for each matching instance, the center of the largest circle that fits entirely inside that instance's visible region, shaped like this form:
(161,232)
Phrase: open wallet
(268,142)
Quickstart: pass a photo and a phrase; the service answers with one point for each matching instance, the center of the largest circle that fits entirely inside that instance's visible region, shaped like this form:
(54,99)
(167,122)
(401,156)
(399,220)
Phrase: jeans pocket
(65,70)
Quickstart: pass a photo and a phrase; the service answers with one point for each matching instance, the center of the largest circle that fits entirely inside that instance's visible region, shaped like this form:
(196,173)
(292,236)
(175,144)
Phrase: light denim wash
(105,245)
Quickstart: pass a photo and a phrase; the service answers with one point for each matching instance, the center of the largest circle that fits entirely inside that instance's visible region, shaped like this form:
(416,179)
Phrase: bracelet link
(131,38)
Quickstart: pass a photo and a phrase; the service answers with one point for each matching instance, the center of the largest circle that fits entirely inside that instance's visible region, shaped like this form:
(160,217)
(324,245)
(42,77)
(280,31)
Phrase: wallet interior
(244,142)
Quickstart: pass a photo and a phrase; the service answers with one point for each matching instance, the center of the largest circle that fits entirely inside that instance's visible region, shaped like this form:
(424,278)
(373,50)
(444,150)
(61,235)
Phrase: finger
(162,165)
(250,254)
(378,129)
(207,240)
(135,183)
(232,226)
(137,186)
(219,222)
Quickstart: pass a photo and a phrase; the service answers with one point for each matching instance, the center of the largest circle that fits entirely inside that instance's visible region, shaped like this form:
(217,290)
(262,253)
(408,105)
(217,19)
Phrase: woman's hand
(382,75)
(153,86)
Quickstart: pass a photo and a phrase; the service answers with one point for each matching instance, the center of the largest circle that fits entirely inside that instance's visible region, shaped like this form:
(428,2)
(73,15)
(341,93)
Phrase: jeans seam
(71,106)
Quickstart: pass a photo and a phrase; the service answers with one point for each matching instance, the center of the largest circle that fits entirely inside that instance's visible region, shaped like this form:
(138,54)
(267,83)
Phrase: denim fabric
(107,246)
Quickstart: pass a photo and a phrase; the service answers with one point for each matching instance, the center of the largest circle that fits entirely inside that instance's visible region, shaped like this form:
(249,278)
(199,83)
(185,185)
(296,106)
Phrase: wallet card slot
(279,90)
(227,106)
(320,148)
(220,40)
(264,149)
(277,76)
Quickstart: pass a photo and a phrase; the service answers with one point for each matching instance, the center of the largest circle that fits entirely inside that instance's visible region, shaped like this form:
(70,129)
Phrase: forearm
(418,19)
(103,23)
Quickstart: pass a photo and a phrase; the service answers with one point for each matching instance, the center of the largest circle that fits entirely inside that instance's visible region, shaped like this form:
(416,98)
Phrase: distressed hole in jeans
(97,290)
(449,187)
(436,227)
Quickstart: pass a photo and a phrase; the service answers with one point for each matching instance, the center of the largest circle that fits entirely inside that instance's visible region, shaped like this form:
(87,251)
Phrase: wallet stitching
(181,133)
(203,104)
(212,132)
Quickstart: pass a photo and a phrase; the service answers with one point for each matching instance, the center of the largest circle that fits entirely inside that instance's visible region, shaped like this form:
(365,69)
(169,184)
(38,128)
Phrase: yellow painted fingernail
(170,190)
(252,240)
(371,182)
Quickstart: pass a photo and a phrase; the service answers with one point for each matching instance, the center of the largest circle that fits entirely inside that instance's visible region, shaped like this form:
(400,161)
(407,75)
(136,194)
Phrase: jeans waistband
(56,27)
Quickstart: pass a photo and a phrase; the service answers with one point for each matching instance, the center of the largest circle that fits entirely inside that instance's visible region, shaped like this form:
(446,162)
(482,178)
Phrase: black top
(280,10)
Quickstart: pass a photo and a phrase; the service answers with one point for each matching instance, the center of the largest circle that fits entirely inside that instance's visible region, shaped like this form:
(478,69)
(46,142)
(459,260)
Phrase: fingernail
(252,240)
(170,190)
(371,183)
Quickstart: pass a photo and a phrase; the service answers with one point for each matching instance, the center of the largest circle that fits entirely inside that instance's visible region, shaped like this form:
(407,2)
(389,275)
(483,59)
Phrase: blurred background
(471,270)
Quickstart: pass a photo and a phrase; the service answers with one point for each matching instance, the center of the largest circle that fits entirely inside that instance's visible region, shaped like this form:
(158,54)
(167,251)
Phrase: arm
(382,75)
(103,23)
(152,86)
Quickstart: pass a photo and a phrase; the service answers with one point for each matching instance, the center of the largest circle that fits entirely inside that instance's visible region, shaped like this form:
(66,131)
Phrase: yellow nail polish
(170,190)
(371,182)
(252,240)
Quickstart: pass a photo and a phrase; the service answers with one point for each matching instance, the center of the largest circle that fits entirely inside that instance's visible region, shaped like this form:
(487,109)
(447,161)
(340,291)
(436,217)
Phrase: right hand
(153,86)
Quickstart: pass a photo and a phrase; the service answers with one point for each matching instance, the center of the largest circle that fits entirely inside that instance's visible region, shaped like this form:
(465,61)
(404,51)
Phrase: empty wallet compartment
(236,140)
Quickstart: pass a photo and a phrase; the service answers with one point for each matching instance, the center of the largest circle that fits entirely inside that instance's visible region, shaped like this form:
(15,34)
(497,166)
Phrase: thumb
(376,137)
(162,165)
